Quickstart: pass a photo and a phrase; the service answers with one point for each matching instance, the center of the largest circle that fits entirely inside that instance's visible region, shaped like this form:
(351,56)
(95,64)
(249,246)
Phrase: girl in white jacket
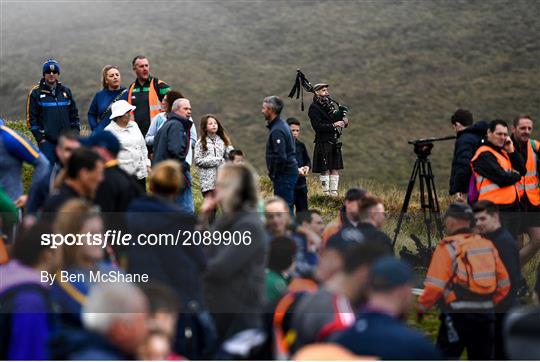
(210,152)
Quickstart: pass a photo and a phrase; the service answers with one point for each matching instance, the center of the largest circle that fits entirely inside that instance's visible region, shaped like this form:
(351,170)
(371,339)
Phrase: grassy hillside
(403,67)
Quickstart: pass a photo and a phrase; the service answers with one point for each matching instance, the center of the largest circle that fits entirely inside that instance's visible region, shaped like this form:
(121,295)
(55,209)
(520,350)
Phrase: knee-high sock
(334,184)
(325,183)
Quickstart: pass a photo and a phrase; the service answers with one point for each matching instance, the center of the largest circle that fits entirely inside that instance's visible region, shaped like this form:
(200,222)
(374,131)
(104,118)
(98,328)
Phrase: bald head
(182,107)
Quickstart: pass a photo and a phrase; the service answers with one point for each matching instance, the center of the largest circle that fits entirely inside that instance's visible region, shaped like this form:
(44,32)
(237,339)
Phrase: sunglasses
(52,72)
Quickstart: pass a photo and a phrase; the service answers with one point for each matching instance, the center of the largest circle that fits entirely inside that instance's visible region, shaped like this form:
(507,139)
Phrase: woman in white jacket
(133,156)
(210,152)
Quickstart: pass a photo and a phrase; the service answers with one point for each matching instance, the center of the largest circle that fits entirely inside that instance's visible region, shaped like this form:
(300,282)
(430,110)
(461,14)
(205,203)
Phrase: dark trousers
(300,199)
(142,183)
(284,186)
(500,353)
(49,150)
(475,332)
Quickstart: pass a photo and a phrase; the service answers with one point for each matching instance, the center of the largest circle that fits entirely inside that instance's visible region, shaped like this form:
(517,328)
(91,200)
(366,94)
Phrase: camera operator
(468,138)
(327,158)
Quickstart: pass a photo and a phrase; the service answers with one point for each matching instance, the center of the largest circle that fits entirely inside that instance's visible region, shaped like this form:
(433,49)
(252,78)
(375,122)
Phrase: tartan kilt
(327,156)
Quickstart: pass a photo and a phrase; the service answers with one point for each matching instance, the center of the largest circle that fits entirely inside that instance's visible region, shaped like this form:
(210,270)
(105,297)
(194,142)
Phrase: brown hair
(104,73)
(220,131)
(367,203)
(166,178)
(172,95)
(70,220)
(520,117)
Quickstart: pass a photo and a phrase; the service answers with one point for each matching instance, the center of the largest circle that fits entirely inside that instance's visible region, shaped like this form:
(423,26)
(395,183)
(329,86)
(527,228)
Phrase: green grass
(403,67)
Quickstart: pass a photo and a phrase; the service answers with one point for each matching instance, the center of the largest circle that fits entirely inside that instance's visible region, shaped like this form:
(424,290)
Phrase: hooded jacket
(467,143)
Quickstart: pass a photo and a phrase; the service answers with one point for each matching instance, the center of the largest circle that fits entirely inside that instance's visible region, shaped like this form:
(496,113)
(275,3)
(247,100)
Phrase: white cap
(121,107)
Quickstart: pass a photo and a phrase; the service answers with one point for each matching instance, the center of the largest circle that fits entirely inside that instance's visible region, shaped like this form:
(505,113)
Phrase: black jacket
(302,158)
(372,234)
(322,124)
(486,165)
(179,266)
(280,149)
(509,252)
(48,114)
(467,143)
(117,190)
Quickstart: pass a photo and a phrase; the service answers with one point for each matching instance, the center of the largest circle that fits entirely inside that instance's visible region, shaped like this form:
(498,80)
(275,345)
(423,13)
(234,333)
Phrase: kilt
(327,156)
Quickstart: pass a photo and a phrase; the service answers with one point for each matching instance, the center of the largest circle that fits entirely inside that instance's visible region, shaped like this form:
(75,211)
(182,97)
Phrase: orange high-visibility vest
(529,183)
(153,100)
(470,262)
(488,190)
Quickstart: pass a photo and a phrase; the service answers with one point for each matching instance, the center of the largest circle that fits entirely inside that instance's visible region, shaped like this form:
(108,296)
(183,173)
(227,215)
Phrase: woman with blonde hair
(100,108)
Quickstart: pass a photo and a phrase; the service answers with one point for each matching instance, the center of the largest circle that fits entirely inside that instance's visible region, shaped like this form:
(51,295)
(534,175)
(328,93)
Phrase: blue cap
(102,139)
(388,272)
(50,65)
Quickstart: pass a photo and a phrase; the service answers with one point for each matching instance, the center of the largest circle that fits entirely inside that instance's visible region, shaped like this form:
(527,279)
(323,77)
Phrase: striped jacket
(448,276)
(48,113)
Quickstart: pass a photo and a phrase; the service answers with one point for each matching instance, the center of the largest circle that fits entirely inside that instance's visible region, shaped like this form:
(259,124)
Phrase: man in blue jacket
(280,151)
(50,109)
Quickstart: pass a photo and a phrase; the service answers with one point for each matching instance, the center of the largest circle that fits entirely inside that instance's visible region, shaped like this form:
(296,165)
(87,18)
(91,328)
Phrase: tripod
(428,192)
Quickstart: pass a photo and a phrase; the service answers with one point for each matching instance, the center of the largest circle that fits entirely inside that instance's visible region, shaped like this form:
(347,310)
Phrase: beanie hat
(51,65)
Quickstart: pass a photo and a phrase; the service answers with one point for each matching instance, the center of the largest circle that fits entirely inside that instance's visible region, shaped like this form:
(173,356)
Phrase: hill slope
(402,66)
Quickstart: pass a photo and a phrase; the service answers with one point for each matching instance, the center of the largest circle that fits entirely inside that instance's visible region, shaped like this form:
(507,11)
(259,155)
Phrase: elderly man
(280,151)
(50,109)
(146,93)
(173,142)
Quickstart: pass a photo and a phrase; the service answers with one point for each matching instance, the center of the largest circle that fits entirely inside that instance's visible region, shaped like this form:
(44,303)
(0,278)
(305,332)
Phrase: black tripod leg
(405,206)
(434,201)
(424,184)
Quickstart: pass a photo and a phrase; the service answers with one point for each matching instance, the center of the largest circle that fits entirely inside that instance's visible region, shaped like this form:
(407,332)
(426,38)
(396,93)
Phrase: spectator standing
(308,240)
(50,109)
(210,152)
(278,218)
(468,138)
(84,173)
(280,268)
(27,318)
(160,118)
(14,150)
(38,193)
(529,189)
(372,216)
(498,170)
(488,224)
(173,142)
(99,113)
(133,155)
(145,93)
(235,291)
(389,298)
(348,214)
(467,275)
(304,165)
(280,151)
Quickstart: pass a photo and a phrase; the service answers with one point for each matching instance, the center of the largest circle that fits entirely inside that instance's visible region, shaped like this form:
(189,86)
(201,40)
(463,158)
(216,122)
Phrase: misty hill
(403,67)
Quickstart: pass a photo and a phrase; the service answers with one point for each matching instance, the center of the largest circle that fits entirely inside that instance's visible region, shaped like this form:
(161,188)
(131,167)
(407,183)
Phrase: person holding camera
(327,158)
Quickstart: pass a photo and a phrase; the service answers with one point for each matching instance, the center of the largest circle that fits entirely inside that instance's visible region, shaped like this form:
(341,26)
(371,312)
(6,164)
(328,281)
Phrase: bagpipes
(301,83)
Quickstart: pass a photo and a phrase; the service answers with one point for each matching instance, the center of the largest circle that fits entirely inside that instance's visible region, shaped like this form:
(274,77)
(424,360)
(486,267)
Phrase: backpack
(475,265)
